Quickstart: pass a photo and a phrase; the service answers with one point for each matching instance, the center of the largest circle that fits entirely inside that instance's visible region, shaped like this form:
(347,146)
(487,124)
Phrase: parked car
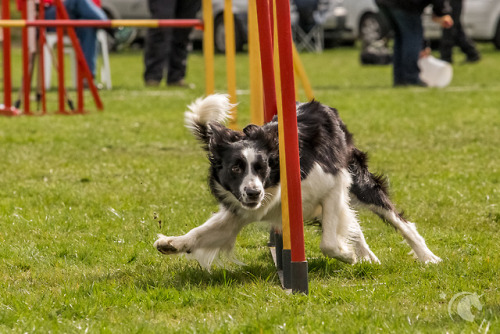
(481,20)
(127,10)
(332,15)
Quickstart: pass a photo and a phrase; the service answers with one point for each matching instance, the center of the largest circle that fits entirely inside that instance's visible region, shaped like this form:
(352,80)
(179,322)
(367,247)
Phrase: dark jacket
(439,7)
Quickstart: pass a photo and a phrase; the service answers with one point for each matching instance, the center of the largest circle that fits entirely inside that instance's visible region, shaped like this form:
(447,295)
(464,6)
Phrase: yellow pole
(284,188)
(301,73)
(256,94)
(208,46)
(230,59)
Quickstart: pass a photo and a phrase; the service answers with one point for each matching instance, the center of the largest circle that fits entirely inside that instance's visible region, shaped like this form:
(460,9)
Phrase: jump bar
(177,23)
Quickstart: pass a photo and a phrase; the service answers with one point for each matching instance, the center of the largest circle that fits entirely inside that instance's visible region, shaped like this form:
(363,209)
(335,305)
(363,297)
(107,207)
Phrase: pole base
(299,282)
(9,111)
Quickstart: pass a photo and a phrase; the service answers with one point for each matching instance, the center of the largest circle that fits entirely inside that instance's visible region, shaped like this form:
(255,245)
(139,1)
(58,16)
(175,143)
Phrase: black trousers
(456,36)
(166,49)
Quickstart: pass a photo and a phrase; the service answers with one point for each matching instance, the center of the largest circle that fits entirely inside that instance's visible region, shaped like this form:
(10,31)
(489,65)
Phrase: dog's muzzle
(252,197)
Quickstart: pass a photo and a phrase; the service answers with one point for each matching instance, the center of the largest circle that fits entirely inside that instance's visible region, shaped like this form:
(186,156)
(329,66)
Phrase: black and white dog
(245,179)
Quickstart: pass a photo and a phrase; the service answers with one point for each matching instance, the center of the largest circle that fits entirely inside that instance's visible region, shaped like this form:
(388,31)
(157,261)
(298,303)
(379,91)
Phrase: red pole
(60,73)
(79,55)
(291,146)
(41,59)
(266,58)
(7,109)
(26,84)
(79,89)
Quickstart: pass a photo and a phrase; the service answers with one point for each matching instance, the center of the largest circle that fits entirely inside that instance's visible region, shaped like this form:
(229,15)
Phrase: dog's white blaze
(251,180)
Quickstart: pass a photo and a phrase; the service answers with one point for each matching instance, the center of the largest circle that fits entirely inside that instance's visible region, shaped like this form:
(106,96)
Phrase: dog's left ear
(268,138)
(220,136)
(252,130)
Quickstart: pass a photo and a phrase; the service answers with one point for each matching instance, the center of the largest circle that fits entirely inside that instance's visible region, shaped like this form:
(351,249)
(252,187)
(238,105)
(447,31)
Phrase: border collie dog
(245,179)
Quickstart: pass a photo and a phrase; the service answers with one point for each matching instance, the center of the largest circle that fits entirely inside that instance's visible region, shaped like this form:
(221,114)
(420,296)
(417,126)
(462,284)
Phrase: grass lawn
(81,198)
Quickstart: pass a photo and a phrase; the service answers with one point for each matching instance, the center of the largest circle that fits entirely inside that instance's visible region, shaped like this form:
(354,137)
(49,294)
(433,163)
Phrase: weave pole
(230,59)
(208,46)
(290,134)
(266,59)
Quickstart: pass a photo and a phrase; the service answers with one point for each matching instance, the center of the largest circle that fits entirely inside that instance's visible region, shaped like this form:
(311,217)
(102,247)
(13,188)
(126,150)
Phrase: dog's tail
(369,189)
(213,108)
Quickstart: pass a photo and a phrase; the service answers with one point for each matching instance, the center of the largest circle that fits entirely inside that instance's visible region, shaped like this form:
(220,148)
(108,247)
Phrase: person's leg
(397,60)
(410,26)
(177,59)
(446,44)
(466,44)
(158,41)
(86,10)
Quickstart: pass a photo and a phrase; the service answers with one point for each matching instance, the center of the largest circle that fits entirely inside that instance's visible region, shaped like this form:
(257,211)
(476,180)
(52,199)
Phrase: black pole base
(287,268)
(299,282)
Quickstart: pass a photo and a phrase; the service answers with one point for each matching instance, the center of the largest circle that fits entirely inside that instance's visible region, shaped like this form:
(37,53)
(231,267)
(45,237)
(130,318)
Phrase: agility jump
(277,55)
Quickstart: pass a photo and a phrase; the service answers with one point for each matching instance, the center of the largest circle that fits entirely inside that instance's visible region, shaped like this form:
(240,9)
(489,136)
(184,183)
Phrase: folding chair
(308,32)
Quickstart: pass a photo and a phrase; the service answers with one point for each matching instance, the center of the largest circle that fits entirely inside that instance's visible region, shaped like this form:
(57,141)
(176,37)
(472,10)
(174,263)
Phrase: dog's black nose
(252,194)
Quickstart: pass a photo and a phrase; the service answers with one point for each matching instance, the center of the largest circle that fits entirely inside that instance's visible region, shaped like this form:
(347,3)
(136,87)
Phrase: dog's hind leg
(371,191)
(206,241)
(339,223)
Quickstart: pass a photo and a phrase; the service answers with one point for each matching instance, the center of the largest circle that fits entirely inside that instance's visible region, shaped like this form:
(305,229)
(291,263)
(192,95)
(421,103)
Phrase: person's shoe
(98,85)
(420,83)
(152,83)
(181,84)
(473,59)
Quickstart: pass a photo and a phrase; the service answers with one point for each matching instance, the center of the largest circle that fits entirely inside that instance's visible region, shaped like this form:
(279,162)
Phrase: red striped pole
(7,109)
(266,58)
(299,263)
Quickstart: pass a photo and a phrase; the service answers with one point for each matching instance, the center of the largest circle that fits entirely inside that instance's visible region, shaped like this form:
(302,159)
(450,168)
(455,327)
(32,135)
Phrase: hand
(444,21)
(425,53)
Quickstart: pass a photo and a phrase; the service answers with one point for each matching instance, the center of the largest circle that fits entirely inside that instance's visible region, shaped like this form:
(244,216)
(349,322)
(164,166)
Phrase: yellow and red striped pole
(179,23)
(291,148)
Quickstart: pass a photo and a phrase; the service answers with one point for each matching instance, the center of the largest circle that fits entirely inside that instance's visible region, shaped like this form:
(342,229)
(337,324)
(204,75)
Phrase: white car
(481,19)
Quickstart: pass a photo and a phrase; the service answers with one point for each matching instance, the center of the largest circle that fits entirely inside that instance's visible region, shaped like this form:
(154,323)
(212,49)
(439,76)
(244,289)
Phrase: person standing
(404,16)
(166,49)
(456,36)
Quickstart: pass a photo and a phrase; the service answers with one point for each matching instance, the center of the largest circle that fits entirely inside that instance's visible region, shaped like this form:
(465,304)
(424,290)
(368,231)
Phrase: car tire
(371,28)
(496,38)
(220,35)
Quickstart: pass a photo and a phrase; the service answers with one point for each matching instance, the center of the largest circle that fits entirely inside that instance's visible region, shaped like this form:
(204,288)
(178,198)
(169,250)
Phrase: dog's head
(243,164)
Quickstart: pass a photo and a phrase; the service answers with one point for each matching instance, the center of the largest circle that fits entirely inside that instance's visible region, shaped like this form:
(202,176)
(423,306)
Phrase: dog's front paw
(426,257)
(166,245)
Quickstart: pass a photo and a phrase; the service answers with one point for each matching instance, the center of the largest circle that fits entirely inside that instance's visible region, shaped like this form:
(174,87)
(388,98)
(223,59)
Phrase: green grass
(81,197)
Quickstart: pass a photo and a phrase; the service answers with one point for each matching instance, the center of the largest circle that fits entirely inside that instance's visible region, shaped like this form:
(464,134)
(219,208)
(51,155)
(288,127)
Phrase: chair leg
(106,67)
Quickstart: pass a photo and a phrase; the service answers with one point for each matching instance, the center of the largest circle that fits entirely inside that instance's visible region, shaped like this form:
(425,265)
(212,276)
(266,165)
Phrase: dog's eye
(236,169)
